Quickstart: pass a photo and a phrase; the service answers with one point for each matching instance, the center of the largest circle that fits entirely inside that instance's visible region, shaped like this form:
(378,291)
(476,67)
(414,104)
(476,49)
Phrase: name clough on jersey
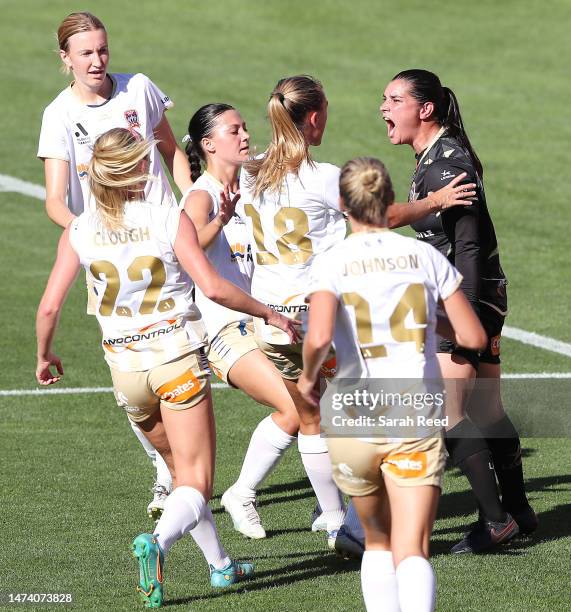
(111,238)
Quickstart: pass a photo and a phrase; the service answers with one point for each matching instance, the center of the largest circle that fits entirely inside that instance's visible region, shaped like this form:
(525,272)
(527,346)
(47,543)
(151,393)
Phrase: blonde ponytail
(115,173)
(290,102)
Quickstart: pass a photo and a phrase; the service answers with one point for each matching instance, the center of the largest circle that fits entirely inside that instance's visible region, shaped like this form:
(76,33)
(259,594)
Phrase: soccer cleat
(318,523)
(526,520)
(347,546)
(331,537)
(486,535)
(150,557)
(232,573)
(157,504)
(244,514)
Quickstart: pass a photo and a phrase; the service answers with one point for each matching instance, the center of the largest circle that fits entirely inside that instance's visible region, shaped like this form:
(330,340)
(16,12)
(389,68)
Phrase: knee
(287,420)
(200,482)
(399,555)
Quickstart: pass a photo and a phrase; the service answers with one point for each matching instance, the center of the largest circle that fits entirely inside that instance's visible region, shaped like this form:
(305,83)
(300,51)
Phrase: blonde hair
(366,189)
(115,174)
(73,24)
(290,102)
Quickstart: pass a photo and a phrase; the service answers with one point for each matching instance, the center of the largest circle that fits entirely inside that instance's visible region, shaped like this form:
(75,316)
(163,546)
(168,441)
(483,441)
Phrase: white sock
(184,507)
(353,523)
(379,582)
(417,585)
(315,458)
(267,445)
(206,537)
(163,476)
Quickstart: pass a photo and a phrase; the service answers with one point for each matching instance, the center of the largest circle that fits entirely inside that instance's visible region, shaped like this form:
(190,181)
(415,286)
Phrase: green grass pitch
(74,481)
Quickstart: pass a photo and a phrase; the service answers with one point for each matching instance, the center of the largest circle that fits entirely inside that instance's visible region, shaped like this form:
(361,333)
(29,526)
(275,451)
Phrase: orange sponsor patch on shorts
(407,465)
(495,342)
(180,389)
(329,368)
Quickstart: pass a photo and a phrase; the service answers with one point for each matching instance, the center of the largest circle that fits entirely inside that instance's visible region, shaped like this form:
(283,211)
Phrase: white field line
(12,184)
(533,339)
(77,390)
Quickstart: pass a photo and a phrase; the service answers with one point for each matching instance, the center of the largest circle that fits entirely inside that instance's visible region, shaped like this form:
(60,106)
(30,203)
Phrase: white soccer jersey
(388,287)
(290,227)
(144,301)
(70,128)
(230,253)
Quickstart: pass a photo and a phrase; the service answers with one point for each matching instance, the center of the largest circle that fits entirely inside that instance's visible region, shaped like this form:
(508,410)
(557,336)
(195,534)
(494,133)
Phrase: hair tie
(186,138)
(279,95)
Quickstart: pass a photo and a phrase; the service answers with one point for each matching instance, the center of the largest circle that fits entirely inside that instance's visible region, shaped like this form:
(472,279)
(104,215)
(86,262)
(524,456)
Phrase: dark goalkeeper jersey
(464,234)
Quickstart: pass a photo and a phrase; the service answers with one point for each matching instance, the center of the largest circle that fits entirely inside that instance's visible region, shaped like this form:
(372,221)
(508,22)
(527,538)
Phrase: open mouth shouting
(390,127)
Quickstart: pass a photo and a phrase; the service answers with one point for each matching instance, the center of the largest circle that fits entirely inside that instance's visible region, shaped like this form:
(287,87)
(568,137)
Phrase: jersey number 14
(413,299)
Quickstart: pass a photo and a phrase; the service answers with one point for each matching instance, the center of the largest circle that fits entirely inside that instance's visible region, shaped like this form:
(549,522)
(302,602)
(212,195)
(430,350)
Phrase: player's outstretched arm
(60,281)
(217,288)
(452,194)
(317,342)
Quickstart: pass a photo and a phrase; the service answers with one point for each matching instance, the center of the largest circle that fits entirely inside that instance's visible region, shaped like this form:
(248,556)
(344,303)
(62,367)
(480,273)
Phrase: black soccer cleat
(486,535)
(526,520)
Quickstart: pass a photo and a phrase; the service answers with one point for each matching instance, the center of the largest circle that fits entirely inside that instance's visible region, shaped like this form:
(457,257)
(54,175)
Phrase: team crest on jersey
(82,171)
(132,118)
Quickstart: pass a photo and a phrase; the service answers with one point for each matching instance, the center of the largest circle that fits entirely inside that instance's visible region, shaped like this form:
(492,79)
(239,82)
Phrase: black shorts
(492,322)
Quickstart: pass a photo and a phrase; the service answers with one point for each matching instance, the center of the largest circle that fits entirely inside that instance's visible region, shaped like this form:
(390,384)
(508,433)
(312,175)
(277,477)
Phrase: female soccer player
(217,136)
(138,256)
(95,102)
(292,206)
(376,296)
(422,113)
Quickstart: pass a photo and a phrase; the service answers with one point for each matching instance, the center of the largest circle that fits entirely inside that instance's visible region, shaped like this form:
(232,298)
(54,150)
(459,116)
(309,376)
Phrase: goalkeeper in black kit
(422,113)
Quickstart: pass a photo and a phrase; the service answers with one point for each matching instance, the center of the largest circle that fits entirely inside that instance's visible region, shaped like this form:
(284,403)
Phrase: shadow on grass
(293,490)
(325,564)
(463,503)
(553,524)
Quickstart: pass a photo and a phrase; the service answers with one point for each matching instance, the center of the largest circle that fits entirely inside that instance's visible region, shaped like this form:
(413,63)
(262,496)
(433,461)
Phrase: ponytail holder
(186,138)
(279,95)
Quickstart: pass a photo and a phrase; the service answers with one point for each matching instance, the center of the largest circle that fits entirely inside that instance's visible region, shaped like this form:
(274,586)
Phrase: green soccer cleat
(150,557)
(232,573)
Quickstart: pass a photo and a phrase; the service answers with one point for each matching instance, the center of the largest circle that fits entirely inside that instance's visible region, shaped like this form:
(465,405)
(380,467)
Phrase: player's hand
(308,390)
(289,326)
(454,194)
(227,205)
(43,373)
